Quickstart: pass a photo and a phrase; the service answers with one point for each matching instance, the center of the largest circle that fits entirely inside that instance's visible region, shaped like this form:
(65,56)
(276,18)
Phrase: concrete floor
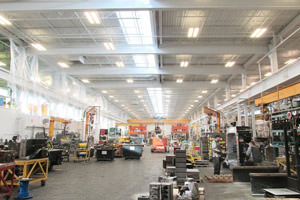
(121,180)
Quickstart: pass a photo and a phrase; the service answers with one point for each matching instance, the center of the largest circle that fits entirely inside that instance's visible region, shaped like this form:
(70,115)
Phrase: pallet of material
(224,178)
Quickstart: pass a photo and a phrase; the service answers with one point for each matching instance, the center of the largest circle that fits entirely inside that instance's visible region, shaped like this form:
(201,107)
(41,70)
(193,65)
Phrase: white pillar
(239,120)
(215,102)
(246,115)
(273,57)
(244,81)
(253,119)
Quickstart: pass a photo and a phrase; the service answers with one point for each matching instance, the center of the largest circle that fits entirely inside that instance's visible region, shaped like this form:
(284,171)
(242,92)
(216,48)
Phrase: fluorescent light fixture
(214,81)
(290,61)
(233,95)
(140,96)
(136,91)
(104,91)
(136,26)
(92,17)
(2,64)
(120,64)
(230,64)
(63,65)
(179,80)
(122,105)
(38,47)
(116,100)
(258,32)
(204,92)
(200,97)
(109,46)
(253,83)
(4,21)
(184,63)
(156,97)
(268,74)
(193,32)
(129,80)
(196,101)
(111,96)
(85,80)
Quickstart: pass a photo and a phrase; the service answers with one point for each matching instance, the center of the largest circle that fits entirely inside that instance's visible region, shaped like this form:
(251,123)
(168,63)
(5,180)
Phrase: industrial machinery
(192,154)
(160,144)
(210,111)
(33,149)
(133,151)
(104,152)
(137,130)
(237,140)
(180,131)
(82,153)
(52,122)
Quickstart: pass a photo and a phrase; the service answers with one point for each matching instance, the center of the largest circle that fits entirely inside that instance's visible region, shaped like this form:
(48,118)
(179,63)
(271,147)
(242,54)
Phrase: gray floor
(121,180)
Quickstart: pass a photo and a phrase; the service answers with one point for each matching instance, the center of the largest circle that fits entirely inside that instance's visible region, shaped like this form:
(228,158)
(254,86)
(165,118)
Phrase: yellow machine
(192,154)
(51,125)
(124,139)
(82,152)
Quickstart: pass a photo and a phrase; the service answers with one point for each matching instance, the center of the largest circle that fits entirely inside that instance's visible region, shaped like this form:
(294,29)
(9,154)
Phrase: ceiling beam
(88,70)
(154,84)
(193,49)
(280,77)
(146,4)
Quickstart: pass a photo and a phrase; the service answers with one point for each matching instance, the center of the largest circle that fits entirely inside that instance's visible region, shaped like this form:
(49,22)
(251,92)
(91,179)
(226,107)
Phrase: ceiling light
(136,91)
(253,83)
(63,65)
(116,100)
(204,91)
(200,97)
(92,17)
(184,63)
(104,91)
(268,74)
(129,80)
(233,95)
(4,21)
(155,95)
(38,46)
(2,64)
(111,96)
(120,64)
(196,101)
(85,80)
(122,105)
(258,32)
(230,64)
(140,96)
(109,46)
(291,61)
(193,32)
(214,81)
(179,80)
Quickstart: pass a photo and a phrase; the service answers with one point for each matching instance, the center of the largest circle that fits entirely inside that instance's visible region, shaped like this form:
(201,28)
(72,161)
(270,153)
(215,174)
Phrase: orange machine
(137,130)
(159,145)
(180,128)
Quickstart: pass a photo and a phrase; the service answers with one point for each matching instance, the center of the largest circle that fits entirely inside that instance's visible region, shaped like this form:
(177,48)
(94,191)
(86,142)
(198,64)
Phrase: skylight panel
(136,26)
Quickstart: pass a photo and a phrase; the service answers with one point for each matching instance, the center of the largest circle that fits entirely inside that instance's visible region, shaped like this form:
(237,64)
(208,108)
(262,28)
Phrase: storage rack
(138,130)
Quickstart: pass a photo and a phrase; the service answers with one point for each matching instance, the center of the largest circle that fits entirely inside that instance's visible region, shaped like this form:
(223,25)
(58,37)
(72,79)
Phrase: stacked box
(143,198)
(154,191)
(180,163)
(170,160)
(171,170)
(194,174)
(161,191)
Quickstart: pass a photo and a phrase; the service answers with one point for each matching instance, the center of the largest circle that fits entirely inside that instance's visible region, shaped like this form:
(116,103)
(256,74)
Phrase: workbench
(36,169)
(6,186)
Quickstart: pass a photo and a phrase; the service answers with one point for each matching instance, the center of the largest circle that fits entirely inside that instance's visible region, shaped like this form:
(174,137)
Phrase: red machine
(180,128)
(137,130)
(159,145)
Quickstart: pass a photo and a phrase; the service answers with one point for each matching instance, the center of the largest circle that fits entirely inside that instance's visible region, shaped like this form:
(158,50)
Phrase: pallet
(224,178)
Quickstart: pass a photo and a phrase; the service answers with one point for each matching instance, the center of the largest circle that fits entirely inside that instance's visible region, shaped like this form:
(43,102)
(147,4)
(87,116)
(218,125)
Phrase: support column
(246,115)
(239,116)
(253,119)
(244,81)
(273,57)
(227,93)
(215,102)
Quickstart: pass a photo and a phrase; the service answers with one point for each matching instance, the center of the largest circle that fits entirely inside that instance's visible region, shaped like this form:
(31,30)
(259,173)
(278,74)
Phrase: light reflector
(193,32)
(179,80)
(230,64)
(258,32)
(4,21)
(184,63)
(120,64)
(38,47)
(92,17)
(85,80)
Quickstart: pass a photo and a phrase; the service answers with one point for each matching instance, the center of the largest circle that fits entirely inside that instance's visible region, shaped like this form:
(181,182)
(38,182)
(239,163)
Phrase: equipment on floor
(237,140)
(55,157)
(7,156)
(137,130)
(223,178)
(161,191)
(180,163)
(104,153)
(52,122)
(160,144)
(6,186)
(33,149)
(24,189)
(180,131)
(192,154)
(82,153)
(132,151)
